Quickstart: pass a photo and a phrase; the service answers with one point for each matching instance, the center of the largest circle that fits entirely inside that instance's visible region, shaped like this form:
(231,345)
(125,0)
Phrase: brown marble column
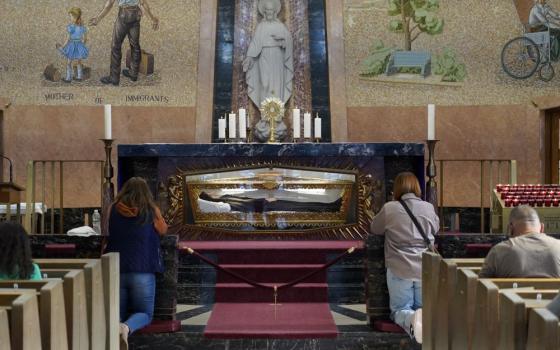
(4,104)
(337,75)
(205,84)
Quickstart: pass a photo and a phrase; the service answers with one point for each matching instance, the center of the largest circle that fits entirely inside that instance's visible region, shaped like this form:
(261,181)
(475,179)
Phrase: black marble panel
(319,65)
(345,341)
(223,65)
(398,164)
(469,219)
(145,167)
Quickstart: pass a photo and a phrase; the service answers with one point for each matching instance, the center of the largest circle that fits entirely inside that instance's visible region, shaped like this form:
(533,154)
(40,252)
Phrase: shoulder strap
(417,224)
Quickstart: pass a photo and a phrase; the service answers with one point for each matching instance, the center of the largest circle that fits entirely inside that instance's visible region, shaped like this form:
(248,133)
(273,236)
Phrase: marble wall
(72,133)
(466,132)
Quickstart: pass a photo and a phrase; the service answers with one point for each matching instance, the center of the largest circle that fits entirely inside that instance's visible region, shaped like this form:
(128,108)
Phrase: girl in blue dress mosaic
(74,50)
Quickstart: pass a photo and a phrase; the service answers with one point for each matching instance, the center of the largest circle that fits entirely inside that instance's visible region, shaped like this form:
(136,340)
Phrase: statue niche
(269,67)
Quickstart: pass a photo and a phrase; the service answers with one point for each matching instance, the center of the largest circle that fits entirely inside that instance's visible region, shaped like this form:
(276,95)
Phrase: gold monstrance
(272,110)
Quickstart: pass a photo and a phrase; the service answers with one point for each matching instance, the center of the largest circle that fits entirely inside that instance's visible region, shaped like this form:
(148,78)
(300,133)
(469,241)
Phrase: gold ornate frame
(366,190)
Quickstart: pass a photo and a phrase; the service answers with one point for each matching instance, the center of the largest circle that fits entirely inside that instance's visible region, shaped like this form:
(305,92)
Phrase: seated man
(528,253)
(542,15)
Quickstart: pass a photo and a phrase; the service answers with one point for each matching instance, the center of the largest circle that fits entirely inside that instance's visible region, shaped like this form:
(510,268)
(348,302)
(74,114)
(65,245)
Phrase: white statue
(269,65)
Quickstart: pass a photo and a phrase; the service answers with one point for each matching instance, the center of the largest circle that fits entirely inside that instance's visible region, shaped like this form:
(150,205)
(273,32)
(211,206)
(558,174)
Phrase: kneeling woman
(135,224)
(404,245)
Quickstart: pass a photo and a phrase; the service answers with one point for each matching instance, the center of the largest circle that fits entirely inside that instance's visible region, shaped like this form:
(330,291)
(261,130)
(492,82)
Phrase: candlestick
(431,172)
(108,122)
(431,122)
(307,125)
(296,124)
(318,126)
(108,189)
(242,123)
(232,126)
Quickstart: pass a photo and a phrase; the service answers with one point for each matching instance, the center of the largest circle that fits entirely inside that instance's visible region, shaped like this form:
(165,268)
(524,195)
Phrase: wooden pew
(544,330)
(23,310)
(486,331)
(111,283)
(430,273)
(514,307)
(463,307)
(94,293)
(446,286)
(4,330)
(102,286)
(51,310)
(75,304)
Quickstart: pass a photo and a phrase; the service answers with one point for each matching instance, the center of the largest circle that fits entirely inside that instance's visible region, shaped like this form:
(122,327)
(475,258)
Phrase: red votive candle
(555,202)
(540,202)
(547,202)
(508,202)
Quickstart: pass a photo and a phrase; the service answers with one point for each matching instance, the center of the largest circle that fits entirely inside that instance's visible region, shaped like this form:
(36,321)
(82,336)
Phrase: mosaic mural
(60,51)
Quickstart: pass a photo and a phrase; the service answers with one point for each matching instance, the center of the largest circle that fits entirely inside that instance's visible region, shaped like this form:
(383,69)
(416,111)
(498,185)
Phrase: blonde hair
(76,12)
(406,182)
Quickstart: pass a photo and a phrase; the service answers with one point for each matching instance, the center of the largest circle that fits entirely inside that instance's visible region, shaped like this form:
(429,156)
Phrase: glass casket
(270,198)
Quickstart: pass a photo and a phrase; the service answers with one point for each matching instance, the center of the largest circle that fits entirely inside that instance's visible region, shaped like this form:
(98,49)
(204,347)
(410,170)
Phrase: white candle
(108,133)
(222,128)
(296,123)
(307,125)
(242,123)
(318,127)
(431,122)
(232,126)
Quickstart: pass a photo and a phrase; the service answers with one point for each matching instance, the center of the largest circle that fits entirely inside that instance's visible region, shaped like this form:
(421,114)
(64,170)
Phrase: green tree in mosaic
(416,17)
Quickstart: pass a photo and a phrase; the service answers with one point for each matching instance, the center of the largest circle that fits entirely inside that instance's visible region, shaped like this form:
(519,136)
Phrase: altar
(270,191)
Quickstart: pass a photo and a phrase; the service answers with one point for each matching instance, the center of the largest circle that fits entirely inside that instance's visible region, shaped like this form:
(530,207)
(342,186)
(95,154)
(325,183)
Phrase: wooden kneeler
(23,309)
(51,310)
(544,330)
(4,330)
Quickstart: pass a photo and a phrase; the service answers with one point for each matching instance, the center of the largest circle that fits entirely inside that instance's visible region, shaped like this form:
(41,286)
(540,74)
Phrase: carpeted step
(244,293)
(273,273)
(261,320)
(264,256)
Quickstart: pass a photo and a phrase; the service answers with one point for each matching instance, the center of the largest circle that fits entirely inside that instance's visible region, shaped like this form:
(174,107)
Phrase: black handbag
(429,244)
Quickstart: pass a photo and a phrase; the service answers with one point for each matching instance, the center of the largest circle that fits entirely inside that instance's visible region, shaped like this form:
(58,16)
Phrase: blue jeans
(405,297)
(137,296)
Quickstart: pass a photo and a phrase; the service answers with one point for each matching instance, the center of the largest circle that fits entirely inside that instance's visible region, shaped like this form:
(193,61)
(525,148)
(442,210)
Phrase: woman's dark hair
(136,193)
(15,251)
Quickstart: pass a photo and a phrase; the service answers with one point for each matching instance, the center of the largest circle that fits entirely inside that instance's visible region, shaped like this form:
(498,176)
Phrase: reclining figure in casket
(265,197)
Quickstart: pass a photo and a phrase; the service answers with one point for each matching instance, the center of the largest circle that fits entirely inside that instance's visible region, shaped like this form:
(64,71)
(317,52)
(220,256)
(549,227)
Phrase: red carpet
(244,311)
(258,320)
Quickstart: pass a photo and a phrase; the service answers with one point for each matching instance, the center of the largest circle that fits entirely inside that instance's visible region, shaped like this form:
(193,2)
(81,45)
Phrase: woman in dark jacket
(135,226)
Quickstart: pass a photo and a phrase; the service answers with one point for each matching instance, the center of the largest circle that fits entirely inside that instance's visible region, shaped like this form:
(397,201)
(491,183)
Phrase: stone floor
(350,319)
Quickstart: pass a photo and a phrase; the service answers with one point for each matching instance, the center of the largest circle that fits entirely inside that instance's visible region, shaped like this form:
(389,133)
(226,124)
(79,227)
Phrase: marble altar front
(218,177)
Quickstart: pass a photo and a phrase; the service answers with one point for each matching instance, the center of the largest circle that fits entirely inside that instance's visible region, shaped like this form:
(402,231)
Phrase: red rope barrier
(276,287)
